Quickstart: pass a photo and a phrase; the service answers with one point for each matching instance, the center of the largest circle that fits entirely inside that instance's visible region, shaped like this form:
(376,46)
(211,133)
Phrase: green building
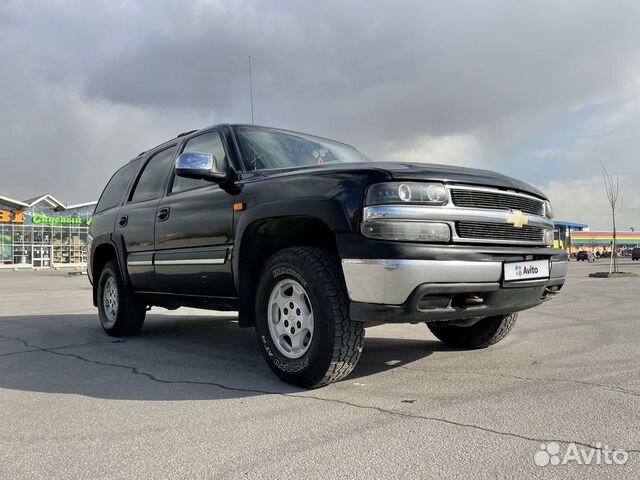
(42,233)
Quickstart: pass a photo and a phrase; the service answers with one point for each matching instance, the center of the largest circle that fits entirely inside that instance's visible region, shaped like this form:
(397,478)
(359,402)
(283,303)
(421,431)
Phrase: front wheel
(482,334)
(302,318)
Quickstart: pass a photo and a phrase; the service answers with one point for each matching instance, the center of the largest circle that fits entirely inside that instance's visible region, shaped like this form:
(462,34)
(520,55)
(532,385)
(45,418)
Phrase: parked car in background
(585,256)
(635,254)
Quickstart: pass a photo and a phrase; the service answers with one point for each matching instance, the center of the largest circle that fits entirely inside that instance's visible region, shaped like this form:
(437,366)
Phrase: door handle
(123,221)
(163,214)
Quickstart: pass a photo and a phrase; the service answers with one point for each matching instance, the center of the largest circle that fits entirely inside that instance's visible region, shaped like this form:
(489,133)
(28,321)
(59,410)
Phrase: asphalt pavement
(191,397)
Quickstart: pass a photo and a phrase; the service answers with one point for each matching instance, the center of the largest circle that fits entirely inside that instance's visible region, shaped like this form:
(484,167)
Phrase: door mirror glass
(199,165)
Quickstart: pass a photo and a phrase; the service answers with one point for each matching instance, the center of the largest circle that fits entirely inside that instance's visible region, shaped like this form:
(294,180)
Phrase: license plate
(527,270)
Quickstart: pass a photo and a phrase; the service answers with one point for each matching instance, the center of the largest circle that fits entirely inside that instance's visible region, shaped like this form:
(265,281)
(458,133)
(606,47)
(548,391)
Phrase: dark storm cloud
(87,85)
(407,67)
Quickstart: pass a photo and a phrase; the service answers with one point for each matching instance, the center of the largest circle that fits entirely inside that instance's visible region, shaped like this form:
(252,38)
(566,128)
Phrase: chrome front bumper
(391,282)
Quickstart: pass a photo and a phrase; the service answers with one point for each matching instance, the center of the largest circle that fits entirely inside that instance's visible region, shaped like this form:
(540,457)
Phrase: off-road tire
(336,344)
(482,334)
(130,310)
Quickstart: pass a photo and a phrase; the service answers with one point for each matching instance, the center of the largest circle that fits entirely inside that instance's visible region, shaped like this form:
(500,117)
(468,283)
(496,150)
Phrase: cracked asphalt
(191,397)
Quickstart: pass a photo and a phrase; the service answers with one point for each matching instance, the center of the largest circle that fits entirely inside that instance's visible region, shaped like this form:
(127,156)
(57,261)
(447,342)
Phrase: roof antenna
(253,140)
(251,90)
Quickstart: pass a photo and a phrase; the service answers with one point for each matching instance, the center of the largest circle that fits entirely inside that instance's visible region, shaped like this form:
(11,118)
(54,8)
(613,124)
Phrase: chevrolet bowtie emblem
(517,218)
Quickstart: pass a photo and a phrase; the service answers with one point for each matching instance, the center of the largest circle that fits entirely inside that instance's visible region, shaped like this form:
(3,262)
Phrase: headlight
(406,231)
(407,192)
(548,211)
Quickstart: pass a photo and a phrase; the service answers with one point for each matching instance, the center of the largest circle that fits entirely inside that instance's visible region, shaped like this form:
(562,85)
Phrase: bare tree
(612,188)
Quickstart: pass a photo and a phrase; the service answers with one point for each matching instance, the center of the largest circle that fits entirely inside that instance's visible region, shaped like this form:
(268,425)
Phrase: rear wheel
(482,334)
(120,312)
(302,318)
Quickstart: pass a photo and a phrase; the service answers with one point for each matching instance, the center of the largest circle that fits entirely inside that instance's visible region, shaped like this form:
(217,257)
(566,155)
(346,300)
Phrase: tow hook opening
(550,292)
(465,300)
(465,322)
(429,302)
(457,301)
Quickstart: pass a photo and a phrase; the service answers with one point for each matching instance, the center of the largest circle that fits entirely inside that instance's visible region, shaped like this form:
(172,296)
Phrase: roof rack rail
(185,133)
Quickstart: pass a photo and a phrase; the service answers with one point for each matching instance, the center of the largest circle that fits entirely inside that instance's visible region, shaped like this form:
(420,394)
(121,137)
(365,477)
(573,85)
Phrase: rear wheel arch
(104,249)
(121,313)
(102,254)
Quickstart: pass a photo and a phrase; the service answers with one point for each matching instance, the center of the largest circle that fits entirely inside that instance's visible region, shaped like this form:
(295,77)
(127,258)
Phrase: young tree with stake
(612,189)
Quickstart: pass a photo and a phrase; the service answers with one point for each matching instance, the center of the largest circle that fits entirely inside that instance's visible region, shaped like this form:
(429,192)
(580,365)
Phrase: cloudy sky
(543,91)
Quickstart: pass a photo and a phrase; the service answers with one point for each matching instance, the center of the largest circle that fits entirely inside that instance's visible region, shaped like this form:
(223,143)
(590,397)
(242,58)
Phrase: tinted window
(149,184)
(207,143)
(114,192)
(264,148)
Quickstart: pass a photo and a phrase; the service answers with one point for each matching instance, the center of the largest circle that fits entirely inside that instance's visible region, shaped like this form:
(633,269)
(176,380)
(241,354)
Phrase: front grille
(496,201)
(499,231)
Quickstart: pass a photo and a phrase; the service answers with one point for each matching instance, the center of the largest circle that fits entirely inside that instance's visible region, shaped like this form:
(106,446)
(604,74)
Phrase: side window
(206,143)
(114,192)
(149,184)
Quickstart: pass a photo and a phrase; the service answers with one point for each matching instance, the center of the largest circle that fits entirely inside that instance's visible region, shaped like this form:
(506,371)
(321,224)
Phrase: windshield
(263,148)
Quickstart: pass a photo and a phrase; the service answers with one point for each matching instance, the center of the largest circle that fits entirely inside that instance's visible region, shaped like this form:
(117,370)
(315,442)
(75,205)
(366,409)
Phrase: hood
(413,171)
(452,174)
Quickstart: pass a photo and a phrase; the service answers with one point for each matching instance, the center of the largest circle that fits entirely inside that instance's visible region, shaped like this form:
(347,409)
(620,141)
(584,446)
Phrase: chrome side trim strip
(139,263)
(192,261)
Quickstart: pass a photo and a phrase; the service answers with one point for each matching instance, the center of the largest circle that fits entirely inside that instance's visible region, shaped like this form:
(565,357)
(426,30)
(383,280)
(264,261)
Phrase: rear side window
(149,184)
(114,192)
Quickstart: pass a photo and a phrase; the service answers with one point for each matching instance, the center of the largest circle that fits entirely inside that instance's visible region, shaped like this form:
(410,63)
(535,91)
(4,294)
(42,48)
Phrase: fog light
(406,231)
(548,237)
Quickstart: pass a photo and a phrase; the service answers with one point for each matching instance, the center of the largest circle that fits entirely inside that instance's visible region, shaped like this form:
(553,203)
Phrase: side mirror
(200,166)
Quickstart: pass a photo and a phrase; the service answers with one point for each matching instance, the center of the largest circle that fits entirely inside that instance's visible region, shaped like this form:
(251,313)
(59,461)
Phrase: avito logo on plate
(522,271)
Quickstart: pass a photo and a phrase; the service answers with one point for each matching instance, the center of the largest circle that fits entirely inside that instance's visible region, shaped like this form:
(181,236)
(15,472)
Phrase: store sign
(18,216)
(39,219)
(11,216)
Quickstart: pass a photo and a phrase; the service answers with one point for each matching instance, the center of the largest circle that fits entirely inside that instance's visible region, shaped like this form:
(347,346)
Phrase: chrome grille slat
(499,231)
(469,198)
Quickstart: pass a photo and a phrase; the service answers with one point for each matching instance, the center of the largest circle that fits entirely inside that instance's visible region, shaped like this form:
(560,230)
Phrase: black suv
(311,242)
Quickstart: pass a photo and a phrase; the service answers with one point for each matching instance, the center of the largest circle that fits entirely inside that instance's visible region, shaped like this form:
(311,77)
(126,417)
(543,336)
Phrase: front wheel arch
(263,238)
